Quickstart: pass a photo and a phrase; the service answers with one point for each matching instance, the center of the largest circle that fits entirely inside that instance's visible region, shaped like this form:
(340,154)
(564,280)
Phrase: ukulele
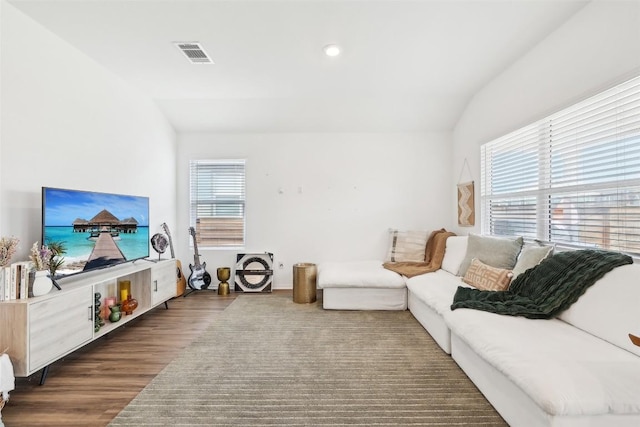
(199,278)
(181,284)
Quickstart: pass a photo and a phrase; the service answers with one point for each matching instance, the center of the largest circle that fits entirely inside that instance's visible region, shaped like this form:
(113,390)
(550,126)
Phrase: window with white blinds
(572,178)
(218,202)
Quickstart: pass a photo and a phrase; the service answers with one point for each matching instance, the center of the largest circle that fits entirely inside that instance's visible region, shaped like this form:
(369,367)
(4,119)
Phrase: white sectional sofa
(578,369)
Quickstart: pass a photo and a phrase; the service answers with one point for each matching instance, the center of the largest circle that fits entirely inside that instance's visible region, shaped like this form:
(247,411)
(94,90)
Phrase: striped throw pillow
(407,246)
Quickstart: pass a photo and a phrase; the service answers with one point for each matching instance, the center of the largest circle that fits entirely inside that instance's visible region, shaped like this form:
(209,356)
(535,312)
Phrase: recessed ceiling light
(332,50)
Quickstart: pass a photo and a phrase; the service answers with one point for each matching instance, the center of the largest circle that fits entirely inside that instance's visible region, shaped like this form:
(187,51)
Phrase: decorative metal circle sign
(254,272)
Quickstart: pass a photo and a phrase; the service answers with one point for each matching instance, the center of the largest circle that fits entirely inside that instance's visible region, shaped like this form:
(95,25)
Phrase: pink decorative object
(108,302)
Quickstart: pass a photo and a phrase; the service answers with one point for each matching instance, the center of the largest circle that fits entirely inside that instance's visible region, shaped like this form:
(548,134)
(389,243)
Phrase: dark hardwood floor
(91,386)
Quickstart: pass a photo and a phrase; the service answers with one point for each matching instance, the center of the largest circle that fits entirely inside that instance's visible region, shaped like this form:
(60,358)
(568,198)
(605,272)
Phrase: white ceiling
(406,66)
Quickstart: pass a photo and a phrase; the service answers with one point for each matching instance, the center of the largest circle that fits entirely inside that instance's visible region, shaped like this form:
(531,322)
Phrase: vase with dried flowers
(41,257)
(8,246)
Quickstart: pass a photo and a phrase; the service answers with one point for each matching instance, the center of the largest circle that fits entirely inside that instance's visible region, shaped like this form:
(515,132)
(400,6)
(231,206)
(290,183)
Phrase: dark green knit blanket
(546,290)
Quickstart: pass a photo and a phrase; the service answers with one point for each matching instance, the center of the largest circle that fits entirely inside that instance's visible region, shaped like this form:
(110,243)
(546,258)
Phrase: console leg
(43,376)
(166,306)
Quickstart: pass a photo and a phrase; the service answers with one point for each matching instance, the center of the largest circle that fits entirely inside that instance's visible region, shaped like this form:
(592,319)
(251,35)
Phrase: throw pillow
(456,248)
(407,246)
(530,256)
(500,252)
(487,278)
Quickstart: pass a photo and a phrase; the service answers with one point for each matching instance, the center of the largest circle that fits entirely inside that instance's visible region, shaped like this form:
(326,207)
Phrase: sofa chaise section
(361,285)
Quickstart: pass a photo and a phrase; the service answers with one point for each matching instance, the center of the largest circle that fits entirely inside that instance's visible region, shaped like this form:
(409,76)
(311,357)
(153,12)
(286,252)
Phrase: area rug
(268,361)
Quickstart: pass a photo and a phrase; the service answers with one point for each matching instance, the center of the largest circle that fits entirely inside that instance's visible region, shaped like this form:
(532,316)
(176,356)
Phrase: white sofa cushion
(564,370)
(357,274)
(435,289)
(364,298)
(610,308)
(455,250)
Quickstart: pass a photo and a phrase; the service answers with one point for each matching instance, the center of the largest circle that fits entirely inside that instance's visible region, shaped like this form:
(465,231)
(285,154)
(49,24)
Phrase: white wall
(595,49)
(1,8)
(67,122)
(354,187)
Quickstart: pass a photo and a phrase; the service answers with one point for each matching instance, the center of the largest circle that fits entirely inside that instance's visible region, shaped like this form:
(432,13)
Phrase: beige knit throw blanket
(434,254)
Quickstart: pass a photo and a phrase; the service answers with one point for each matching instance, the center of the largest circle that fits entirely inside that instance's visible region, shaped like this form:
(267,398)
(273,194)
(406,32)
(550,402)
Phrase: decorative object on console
(224,273)
(466,201)
(159,243)
(8,246)
(42,283)
(40,256)
(129,305)
(115,313)
(634,339)
(254,272)
(125,289)
(46,261)
(108,302)
(97,320)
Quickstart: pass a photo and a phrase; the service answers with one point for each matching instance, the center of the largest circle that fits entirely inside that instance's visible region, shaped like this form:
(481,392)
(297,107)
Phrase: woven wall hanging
(466,201)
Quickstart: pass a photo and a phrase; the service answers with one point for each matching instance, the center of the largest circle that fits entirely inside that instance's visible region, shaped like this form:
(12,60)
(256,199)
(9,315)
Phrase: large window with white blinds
(572,178)
(218,202)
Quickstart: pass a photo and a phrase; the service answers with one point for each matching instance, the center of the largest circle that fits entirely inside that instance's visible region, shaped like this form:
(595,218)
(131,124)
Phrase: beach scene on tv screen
(96,229)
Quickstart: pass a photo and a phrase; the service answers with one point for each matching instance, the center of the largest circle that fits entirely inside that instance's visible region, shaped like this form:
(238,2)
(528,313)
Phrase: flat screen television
(97,230)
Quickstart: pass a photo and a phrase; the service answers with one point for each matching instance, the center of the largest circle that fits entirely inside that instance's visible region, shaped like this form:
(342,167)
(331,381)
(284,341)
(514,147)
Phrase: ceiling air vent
(194,52)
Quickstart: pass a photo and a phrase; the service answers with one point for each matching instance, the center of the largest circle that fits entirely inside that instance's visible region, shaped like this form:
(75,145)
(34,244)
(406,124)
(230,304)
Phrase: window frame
(580,165)
(218,199)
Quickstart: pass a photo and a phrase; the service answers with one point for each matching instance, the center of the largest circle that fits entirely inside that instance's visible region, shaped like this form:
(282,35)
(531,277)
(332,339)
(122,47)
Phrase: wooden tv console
(36,332)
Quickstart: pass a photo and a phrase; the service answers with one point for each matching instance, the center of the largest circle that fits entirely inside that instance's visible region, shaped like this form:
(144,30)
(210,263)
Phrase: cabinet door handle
(90,317)
(155,284)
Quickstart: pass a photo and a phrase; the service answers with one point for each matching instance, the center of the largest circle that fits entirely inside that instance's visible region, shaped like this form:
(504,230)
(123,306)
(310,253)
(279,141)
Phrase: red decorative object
(129,305)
